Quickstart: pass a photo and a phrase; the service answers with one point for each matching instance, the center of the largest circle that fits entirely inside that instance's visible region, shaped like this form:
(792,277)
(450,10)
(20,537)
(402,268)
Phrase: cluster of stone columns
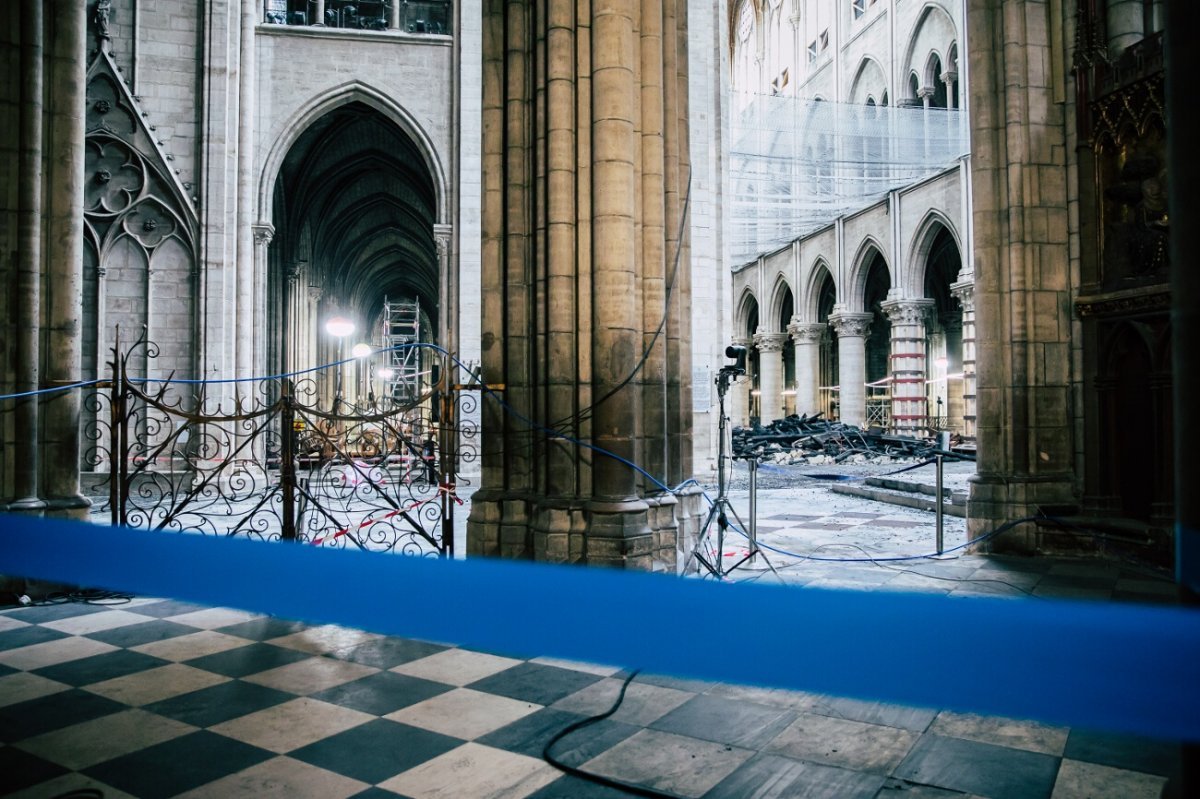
(584,314)
(39,470)
(910,409)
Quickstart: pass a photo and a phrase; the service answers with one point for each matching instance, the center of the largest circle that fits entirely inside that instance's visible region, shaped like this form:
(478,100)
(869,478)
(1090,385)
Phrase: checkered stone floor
(157,698)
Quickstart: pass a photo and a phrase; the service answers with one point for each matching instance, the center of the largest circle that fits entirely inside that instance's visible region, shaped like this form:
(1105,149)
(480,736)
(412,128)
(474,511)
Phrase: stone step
(904,499)
(908,486)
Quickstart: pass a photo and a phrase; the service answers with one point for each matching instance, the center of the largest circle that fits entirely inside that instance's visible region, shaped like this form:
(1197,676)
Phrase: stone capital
(264,232)
(807,332)
(743,341)
(925,93)
(315,292)
(770,342)
(854,325)
(949,76)
(907,312)
(964,292)
(441,238)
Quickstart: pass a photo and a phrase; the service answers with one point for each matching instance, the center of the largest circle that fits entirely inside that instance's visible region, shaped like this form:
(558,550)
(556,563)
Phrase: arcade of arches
(893,358)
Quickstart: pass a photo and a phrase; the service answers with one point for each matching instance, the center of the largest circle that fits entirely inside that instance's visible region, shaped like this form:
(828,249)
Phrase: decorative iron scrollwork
(267,459)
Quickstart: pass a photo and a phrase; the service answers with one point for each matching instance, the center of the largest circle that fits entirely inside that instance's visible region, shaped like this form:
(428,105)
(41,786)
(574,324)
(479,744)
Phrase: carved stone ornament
(851,324)
(965,294)
(907,312)
(770,342)
(807,332)
(1124,305)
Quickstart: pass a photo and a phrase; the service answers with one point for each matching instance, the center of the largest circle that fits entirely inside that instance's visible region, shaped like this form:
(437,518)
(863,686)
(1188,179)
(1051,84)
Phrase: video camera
(738,353)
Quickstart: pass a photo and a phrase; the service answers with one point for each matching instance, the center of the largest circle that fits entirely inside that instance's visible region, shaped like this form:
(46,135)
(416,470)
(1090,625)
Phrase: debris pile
(811,439)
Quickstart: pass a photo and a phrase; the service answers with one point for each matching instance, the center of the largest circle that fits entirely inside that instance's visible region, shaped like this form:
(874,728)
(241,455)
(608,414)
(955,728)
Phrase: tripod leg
(700,537)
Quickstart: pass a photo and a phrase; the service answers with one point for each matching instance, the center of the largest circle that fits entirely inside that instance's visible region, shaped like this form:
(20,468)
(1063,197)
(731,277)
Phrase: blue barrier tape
(1120,667)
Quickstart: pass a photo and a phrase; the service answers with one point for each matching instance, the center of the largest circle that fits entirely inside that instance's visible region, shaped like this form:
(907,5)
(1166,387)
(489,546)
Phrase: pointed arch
(868,249)
(918,254)
(746,318)
(781,291)
(288,132)
(813,289)
(870,81)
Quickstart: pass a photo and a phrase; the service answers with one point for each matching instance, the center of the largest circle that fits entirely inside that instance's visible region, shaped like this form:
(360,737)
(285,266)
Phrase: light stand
(721,508)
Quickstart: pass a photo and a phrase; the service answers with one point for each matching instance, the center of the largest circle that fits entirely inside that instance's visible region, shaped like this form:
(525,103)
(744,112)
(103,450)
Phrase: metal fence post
(287,461)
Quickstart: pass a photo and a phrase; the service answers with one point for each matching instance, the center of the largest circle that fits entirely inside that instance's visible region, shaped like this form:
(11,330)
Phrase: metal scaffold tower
(402,325)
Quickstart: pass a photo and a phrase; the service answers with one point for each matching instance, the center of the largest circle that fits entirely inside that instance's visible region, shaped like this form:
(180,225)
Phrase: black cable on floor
(83,596)
(634,790)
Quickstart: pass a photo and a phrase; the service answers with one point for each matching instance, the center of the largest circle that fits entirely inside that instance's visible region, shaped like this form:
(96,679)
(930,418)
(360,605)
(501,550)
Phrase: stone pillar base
(996,500)
(689,515)
(619,535)
(558,532)
(483,524)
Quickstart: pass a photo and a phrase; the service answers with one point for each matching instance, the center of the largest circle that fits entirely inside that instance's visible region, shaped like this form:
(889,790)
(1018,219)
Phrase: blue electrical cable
(42,391)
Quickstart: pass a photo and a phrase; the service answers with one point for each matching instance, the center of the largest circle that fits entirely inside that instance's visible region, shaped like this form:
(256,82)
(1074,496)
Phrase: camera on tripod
(738,353)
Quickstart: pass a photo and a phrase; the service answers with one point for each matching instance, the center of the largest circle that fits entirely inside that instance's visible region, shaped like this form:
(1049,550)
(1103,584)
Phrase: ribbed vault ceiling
(358,206)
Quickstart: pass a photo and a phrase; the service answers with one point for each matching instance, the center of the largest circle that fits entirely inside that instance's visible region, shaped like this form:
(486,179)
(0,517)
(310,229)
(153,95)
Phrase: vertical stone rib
(560,211)
(64,255)
(616,335)
(653,251)
(679,379)
(29,257)
(247,309)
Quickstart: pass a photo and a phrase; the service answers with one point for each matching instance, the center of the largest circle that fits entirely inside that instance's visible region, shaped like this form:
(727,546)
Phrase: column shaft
(965,293)
(807,339)
(770,381)
(29,258)
(852,330)
(64,256)
(910,409)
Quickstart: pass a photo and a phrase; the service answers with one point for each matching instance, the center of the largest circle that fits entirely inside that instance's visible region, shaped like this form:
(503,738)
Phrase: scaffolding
(796,165)
(402,328)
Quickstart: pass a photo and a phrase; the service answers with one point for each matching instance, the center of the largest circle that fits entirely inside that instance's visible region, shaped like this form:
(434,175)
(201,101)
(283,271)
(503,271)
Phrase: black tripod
(721,508)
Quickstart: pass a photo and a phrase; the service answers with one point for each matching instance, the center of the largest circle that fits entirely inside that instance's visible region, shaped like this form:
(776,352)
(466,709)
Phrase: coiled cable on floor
(548,756)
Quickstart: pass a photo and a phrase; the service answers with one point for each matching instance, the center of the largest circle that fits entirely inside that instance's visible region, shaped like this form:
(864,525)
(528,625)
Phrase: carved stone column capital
(315,292)
(807,332)
(441,238)
(770,342)
(964,292)
(854,325)
(743,341)
(907,312)
(264,232)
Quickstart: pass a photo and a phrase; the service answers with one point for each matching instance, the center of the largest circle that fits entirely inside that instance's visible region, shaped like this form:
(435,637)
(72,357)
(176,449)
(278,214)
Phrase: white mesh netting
(796,165)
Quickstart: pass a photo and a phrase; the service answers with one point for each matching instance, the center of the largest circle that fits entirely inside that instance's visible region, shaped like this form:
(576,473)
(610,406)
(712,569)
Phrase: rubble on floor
(814,440)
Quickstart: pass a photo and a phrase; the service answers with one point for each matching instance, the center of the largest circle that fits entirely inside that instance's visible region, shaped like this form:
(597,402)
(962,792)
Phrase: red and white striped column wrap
(964,292)
(909,397)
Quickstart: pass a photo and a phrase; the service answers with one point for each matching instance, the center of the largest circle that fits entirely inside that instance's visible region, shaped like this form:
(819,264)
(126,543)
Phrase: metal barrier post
(938,507)
(753,508)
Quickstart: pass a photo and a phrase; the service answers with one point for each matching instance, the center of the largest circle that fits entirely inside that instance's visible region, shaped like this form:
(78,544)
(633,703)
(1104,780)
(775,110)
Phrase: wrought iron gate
(278,458)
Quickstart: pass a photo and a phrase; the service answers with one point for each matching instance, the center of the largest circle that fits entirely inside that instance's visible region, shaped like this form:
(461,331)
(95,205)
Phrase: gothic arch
(746,320)
(811,299)
(289,132)
(779,295)
(857,283)
(934,32)
(918,255)
(870,81)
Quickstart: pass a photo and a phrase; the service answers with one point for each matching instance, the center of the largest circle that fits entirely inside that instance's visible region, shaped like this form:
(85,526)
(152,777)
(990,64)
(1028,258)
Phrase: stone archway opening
(828,365)
(355,208)
(787,309)
(944,334)
(878,343)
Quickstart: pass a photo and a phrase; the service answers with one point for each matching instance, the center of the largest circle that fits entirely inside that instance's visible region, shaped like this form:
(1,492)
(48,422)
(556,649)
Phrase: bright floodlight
(941,363)
(386,373)
(361,350)
(339,327)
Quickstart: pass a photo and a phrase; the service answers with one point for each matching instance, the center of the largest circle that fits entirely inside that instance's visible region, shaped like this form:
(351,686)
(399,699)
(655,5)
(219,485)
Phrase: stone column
(1019,180)
(264,232)
(908,367)
(807,338)
(738,398)
(28,259)
(394,15)
(584,164)
(318,13)
(447,333)
(770,380)
(949,77)
(63,357)
(964,292)
(852,330)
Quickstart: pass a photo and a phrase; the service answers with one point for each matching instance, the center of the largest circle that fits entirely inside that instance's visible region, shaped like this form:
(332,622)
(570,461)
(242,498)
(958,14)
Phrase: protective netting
(796,165)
